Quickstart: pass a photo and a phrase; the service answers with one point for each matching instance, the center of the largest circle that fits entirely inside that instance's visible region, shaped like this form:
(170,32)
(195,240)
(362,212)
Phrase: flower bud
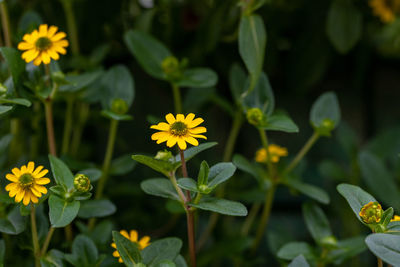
(171,68)
(255,116)
(82,183)
(371,213)
(326,127)
(329,242)
(119,106)
(204,189)
(164,155)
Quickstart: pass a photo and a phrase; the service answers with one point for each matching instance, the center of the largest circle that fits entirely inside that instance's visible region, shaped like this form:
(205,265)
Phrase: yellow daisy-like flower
(43,45)
(275,152)
(179,130)
(132,236)
(371,212)
(396,218)
(386,10)
(27,183)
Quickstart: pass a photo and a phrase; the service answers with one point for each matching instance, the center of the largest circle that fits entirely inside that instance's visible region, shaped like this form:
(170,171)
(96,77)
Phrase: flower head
(386,10)
(255,116)
(274,151)
(132,236)
(179,130)
(371,212)
(27,183)
(43,45)
(396,218)
(82,183)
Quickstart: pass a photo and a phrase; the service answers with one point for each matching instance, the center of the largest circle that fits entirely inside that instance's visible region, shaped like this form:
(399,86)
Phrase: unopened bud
(164,155)
(371,213)
(255,116)
(119,106)
(172,68)
(82,183)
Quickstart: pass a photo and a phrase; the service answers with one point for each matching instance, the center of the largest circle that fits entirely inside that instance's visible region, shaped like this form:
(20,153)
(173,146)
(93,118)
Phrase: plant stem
(250,219)
(302,152)
(177,98)
(71,22)
(48,106)
(189,216)
(35,239)
(178,190)
(380,263)
(269,198)
(83,111)
(67,126)
(47,241)
(5,21)
(264,142)
(107,158)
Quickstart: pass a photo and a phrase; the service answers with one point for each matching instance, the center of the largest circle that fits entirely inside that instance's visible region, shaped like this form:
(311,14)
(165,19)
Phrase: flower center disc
(178,128)
(43,43)
(26,180)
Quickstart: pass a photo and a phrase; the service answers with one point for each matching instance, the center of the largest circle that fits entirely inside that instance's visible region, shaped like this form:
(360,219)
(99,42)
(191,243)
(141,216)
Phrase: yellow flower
(371,212)
(386,10)
(396,218)
(275,152)
(133,236)
(179,130)
(27,183)
(43,44)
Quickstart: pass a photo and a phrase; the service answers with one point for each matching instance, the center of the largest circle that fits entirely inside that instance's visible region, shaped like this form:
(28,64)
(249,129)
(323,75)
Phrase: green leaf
(15,63)
(261,97)
(356,197)
(280,122)
(252,42)
(160,187)
(54,258)
(202,178)
(162,166)
(237,82)
(80,81)
(114,116)
(61,173)
(84,252)
(309,190)
(325,107)
(96,208)
(198,78)
(122,165)
(191,152)
(219,173)
(378,179)
(222,206)
(148,51)
(299,261)
(251,168)
(347,249)
(17,101)
(180,261)
(2,252)
(118,83)
(13,224)
(291,250)
(331,169)
(165,263)
(163,249)
(4,109)
(387,216)
(93,174)
(62,212)
(188,184)
(317,223)
(385,246)
(344,25)
(127,249)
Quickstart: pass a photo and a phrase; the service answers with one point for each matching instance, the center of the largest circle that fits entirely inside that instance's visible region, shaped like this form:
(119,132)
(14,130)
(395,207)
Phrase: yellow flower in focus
(371,212)
(396,218)
(43,45)
(275,152)
(132,236)
(179,130)
(27,183)
(386,10)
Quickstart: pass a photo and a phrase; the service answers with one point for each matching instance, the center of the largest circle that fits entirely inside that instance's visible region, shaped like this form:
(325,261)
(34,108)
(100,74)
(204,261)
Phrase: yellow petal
(114,245)
(42,181)
(189,118)
(19,195)
(180,117)
(37,61)
(163,139)
(53,54)
(38,169)
(27,198)
(115,254)
(58,36)
(52,30)
(34,199)
(30,55)
(181,143)
(195,122)
(192,141)
(61,43)
(31,166)
(162,126)
(120,260)
(35,192)
(60,50)
(124,233)
(144,242)
(12,187)
(134,236)
(45,57)
(11,177)
(170,118)
(198,136)
(198,130)
(41,174)
(25,46)
(40,188)
(171,141)
(156,136)
(13,193)
(16,172)
(43,30)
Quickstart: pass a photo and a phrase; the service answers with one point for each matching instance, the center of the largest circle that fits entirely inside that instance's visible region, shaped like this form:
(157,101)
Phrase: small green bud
(172,68)
(164,155)
(329,242)
(204,189)
(326,127)
(3,90)
(82,183)
(371,213)
(119,106)
(59,78)
(255,116)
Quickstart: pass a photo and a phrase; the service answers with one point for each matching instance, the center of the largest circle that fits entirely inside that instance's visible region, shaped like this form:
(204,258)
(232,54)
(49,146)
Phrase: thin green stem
(250,219)
(35,240)
(178,190)
(269,198)
(5,21)
(67,126)
(83,110)
(302,152)
(177,98)
(264,142)
(107,158)
(47,241)
(48,106)
(71,23)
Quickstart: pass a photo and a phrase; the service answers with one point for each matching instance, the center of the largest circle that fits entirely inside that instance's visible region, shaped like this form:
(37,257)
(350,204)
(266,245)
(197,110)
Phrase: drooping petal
(27,198)
(19,195)
(37,61)
(182,144)
(198,136)
(195,122)
(45,57)
(162,126)
(170,118)
(34,199)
